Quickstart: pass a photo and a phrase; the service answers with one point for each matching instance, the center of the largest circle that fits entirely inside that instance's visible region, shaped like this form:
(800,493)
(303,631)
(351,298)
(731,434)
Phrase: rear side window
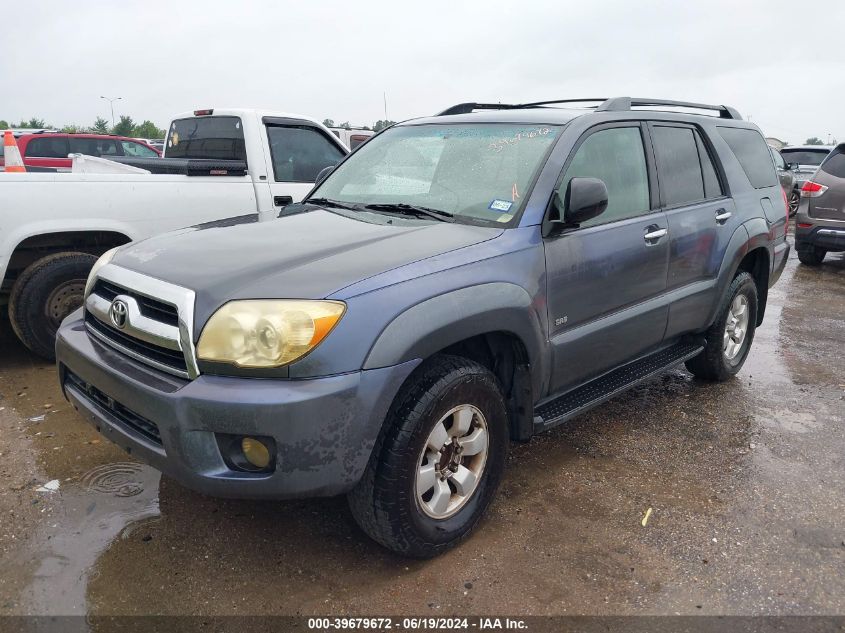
(299,153)
(835,163)
(616,156)
(131,148)
(753,154)
(47,147)
(712,186)
(678,165)
(94,146)
(215,137)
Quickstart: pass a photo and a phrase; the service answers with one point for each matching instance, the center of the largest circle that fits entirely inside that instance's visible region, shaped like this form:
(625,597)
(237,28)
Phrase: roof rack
(626,103)
(615,104)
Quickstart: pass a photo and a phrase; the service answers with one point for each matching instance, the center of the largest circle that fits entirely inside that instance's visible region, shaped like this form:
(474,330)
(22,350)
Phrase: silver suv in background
(787,180)
(820,222)
(804,160)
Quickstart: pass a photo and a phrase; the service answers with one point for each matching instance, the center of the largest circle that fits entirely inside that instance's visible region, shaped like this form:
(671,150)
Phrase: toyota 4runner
(459,281)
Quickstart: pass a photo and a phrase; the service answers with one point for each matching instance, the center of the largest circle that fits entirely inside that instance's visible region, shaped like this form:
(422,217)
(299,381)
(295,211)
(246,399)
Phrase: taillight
(805,225)
(812,189)
(207,112)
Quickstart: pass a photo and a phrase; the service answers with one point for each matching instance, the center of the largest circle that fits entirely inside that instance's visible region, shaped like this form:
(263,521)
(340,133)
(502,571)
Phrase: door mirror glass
(584,199)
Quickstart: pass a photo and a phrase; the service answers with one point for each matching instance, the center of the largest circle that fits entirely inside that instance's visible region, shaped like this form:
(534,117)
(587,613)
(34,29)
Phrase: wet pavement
(745,481)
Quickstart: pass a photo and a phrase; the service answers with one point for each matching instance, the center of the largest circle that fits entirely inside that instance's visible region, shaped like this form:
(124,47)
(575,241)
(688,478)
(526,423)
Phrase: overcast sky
(779,62)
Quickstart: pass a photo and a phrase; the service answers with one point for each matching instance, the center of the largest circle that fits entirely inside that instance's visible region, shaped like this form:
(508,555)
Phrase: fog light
(255,452)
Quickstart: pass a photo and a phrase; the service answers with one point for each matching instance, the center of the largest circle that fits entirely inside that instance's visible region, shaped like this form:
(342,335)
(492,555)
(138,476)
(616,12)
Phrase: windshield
(474,171)
(804,156)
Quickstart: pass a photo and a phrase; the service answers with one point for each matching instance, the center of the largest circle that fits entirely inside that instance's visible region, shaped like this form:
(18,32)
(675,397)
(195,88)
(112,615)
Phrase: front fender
(446,319)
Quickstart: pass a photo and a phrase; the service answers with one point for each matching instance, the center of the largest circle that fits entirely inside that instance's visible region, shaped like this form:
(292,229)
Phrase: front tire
(439,461)
(43,295)
(729,339)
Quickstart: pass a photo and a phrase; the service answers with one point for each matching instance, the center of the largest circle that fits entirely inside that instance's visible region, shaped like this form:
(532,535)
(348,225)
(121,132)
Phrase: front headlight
(105,258)
(267,333)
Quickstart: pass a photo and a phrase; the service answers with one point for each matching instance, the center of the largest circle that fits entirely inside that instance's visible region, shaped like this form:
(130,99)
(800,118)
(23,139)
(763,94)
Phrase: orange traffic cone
(11,153)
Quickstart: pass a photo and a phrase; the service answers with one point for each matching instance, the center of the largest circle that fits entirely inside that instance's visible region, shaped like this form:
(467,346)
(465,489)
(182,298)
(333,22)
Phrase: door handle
(722,216)
(654,234)
(282,201)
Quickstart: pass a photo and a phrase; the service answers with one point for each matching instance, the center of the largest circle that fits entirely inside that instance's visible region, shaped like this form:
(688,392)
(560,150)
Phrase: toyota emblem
(117,312)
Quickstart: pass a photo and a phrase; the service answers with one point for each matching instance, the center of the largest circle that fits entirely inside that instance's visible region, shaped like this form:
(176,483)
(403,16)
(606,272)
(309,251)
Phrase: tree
(345,125)
(33,123)
(124,127)
(379,125)
(148,129)
(3,125)
(101,126)
(328,122)
(73,129)
(814,140)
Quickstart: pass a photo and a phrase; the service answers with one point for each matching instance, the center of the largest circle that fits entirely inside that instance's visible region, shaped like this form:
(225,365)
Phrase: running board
(605,387)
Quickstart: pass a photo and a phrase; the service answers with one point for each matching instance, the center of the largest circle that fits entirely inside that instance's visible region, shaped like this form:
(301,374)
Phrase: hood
(307,256)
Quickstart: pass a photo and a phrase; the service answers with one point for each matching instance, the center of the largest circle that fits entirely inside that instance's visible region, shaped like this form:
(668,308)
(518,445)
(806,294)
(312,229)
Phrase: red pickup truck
(51,150)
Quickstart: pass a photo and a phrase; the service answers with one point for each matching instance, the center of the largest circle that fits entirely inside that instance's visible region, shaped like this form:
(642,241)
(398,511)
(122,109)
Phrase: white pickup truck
(217,164)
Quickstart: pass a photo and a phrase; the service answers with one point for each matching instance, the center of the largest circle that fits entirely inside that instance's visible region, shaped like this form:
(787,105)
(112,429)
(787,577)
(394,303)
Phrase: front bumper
(324,428)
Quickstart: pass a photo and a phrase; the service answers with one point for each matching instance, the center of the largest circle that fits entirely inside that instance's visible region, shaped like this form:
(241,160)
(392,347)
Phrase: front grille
(174,359)
(155,318)
(152,308)
(131,420)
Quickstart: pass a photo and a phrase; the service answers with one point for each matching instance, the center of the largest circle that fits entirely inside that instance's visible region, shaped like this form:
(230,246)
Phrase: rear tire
(811,255)
(43,295)
(729,339)
(794,202)
(397,501)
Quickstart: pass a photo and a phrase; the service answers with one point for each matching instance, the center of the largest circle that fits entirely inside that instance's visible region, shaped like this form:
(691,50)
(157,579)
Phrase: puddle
(121,480)
(89,515)
(787,420)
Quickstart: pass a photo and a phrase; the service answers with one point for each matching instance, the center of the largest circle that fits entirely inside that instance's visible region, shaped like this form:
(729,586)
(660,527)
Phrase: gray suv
(820,223)
(459,281)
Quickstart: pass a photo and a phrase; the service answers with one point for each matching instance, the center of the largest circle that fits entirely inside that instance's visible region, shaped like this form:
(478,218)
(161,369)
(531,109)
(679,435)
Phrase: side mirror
(585,199)
(324,173)
(792,166)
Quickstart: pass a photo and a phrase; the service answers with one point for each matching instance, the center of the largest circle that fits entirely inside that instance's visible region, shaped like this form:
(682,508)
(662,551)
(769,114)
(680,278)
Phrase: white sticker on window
(500,205)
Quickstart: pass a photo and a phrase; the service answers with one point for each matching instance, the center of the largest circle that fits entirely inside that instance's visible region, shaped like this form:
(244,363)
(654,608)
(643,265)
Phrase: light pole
(111,101)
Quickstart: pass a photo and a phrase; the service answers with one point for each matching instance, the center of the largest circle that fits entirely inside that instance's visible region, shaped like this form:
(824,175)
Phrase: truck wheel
(439,460)
(811,255)
(728,340)
(44,294)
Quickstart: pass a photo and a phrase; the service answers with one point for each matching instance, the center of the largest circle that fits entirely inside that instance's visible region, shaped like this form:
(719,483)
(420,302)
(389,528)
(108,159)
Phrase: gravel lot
(746,482)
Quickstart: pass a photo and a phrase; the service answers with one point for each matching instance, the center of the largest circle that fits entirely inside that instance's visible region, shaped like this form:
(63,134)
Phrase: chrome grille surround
(144,328)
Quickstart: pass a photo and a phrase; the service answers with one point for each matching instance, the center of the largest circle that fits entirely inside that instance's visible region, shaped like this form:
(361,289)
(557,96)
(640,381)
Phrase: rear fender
(736,250)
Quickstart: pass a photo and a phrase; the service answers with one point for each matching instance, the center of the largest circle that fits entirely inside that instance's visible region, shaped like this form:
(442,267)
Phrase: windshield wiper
(412,209)
(326,202)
